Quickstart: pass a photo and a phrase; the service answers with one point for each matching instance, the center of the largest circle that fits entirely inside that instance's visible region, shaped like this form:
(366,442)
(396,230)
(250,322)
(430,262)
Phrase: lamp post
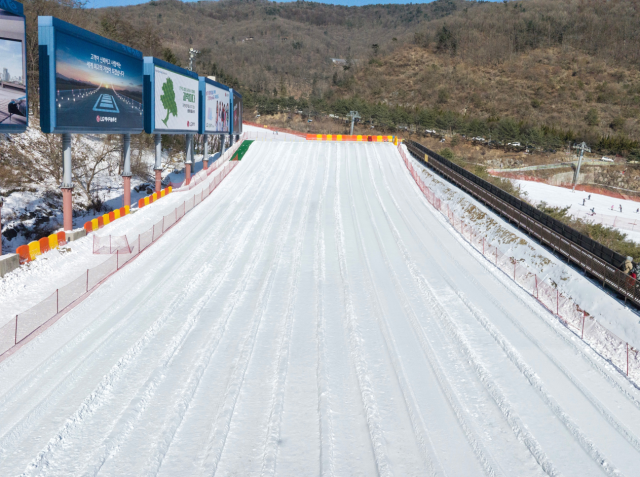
(582,147)
(189,159)
(354,115)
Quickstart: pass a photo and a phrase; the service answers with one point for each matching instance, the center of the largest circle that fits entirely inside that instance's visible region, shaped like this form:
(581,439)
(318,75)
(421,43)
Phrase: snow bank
(607,310)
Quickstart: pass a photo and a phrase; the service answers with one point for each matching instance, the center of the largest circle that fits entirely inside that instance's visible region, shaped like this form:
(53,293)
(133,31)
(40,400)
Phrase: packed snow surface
(313,316)
(621,214)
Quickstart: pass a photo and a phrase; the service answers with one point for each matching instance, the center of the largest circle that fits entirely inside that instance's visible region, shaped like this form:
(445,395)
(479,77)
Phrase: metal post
(1,200)
(223,144)
(188,160)
(205,154)
(583,147)
(354,115)
(67,184)
(126,169)
(158,164)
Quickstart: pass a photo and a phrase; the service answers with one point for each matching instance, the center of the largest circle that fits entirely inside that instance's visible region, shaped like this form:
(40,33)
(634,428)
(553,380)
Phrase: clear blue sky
(114,3)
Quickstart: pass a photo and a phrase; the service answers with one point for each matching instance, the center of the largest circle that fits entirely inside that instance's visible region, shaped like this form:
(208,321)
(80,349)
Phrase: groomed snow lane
(313,316)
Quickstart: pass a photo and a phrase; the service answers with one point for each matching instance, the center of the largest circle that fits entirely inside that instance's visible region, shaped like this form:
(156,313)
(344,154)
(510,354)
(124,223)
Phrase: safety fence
(110,244)
(29,252)
(273,137)
(343,137)
(601,189)
(150,199)
(272,128)
(201,176)
(106,219)
(616,350)
(121,250)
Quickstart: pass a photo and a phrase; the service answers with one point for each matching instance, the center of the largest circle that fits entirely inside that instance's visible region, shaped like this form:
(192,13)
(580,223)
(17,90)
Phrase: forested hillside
(540,72)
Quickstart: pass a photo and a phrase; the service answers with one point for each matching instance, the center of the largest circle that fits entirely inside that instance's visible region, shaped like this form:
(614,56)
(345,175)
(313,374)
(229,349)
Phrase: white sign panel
(176,101)
(217,114)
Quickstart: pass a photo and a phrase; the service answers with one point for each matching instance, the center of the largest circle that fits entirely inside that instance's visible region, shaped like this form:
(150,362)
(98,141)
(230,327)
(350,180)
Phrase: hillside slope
(283,46)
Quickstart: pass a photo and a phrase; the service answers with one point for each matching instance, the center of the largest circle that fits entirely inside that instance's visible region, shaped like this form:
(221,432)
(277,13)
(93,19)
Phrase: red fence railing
(121,250)
(613,348)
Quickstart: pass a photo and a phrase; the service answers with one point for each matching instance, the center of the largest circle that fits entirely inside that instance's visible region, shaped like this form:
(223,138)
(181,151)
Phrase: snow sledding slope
(313,316)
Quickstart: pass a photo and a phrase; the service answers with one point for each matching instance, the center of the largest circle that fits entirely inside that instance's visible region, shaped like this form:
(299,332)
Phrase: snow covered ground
(613,314)
(314,315)
(607,209)
(31,214)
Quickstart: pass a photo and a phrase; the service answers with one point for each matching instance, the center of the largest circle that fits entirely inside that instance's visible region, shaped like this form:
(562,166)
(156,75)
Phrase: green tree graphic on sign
(169,100)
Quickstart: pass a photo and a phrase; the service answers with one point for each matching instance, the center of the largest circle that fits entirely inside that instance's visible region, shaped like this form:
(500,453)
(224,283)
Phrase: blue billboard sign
(236,108)
(88,83)
(14,105)
(171,98)
(215,107)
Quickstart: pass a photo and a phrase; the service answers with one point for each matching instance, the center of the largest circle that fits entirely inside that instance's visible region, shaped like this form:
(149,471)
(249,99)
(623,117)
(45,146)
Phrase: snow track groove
(314,316)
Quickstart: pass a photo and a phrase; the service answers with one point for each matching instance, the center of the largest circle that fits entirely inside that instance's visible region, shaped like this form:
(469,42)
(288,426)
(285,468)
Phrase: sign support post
(158,166)
(67,184)
(188,160)
(1,200)
(205,156)
(223,144)
(126,170)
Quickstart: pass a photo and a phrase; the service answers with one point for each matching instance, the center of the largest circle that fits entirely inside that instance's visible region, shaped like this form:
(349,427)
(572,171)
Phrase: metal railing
(606,273)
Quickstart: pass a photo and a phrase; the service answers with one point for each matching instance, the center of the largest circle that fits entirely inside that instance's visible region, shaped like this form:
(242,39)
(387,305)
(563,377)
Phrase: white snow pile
(607,310)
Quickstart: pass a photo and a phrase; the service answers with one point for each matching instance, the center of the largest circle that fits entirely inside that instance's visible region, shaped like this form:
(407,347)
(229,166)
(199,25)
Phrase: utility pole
(190,161)
(583,147)
(353,115)
(192,56)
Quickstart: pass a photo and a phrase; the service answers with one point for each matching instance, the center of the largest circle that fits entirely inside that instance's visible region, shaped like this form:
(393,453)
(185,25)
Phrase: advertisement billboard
(14,113)
(215,105)
(173,100)
(237,112)
(93,85)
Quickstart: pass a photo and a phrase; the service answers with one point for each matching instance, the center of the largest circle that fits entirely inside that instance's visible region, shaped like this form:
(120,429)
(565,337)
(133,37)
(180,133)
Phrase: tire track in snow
(355,345)
(440,311)
(489,465)
(88,358)
(529,374)
(586,444)
(134,412)
(325,420)
(210,459)
(273,429)
(420,429)
(45,368)
(624,432)
(105,388)
(174,419)
(596,361)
